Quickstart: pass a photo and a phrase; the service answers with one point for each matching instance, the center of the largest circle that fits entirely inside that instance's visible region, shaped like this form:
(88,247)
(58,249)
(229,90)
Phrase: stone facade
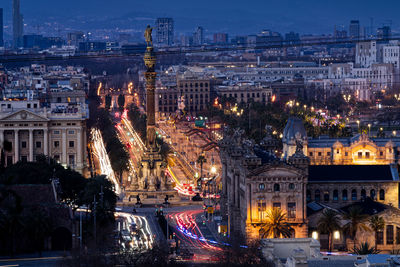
(251,185)
(32,130)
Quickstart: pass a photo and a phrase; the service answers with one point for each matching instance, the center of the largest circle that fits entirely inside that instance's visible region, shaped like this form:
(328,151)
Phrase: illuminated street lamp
(369,129)
(358,124)
(213,170)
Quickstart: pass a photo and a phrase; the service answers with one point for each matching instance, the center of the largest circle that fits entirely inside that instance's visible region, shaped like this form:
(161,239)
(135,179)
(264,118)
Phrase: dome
(294,127)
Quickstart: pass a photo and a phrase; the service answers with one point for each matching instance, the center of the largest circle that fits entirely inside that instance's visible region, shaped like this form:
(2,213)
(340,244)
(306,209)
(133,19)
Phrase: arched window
(308,195)
(381,194)
(363,194)
(261,186)
(277,188)
(335,195)
(291,186)
(344,195)
(326,196)
(372,194)
(353,194)
(317,195)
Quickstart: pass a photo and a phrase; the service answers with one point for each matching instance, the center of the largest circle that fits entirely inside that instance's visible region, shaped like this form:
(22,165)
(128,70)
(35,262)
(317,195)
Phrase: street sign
(210,210)
(217,218)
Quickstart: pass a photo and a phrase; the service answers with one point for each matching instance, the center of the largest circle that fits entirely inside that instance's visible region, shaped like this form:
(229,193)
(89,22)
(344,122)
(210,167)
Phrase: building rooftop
(351,173)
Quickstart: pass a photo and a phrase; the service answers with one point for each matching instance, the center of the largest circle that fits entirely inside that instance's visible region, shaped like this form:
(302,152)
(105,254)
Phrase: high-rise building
(1,28)
(165,31)
(354,29)
(18,24)
(220,38)
(198,36)
(384,33)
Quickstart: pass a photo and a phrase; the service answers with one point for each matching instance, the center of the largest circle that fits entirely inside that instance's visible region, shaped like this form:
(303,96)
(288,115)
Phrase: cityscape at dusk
(209,133)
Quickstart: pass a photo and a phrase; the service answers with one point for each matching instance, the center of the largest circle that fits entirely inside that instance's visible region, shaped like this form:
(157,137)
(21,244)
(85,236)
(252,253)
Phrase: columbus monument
(150,182)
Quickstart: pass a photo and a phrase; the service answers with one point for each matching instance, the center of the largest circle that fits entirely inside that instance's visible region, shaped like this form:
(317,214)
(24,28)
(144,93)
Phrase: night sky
(246,16)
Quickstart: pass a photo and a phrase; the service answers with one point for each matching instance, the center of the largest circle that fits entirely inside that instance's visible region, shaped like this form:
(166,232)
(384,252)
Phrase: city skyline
(282,16)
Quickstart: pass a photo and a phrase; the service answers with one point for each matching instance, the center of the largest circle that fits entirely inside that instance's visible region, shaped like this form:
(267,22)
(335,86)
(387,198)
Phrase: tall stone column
(46,142)
(64,147)
(79,149)
(1,138)
(16,146)
(31,145)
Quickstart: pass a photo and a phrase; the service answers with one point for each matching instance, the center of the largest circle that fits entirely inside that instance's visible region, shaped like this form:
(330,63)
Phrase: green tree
(108,100)
(377,224)
(356,222)
(364,249)
(276,225)
(121,102)
(201,160)
(328,223)
(38,226)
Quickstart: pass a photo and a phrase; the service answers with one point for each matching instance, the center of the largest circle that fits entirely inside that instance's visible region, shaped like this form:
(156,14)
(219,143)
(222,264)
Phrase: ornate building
(27,130)
(254,181)
(357,150)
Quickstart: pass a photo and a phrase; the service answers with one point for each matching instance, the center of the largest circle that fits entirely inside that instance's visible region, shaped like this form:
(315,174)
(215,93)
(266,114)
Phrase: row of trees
(256,115)
(24,226)
(117,153)
(276,225)
(356,221)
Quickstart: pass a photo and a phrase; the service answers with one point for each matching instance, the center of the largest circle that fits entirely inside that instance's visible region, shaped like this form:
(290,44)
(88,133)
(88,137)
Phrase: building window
(317,195)
(56,143)
(346,154)
(372,194)
(310,154)
(319,154)
(23,144)
(9,160)
(363,194)
(389,235)
(337,151)
(379,238)
(397,235)
(359,155)
(326,196)
(367,155)
(276,205)
(381,153)
(328,153)
(291,210)
(57,158)
(71,143)
(56,132)
(308,195)
(71,160)
(335,195)
(353,194)
(38,144)
(381,194)
(71,132)
(261,186)
(277,188)
(291,186)
(261,210)
(344,195)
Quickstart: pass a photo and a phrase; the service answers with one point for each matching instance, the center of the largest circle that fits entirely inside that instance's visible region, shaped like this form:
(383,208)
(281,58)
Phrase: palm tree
(328,223)
(201,160)
(377,224)
(356,222)
(364,249)
(275,225)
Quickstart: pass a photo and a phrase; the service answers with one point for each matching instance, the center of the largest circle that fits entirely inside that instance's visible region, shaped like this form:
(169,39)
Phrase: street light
(369,129)
(358,123)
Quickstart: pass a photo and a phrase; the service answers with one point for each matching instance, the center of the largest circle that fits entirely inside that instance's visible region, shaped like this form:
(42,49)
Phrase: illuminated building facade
(254,182)
(28,130)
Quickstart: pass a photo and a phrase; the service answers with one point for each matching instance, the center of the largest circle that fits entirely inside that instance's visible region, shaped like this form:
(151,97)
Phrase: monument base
(151,197)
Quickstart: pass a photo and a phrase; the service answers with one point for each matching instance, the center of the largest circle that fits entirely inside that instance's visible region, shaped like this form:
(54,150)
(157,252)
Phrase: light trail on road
(142,225)
(100,152)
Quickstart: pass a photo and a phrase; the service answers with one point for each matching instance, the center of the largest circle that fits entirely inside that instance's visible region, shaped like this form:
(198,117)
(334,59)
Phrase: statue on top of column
(148,35)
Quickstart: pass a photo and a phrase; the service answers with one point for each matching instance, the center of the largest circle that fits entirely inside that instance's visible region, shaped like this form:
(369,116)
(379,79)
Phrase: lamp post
(369,129)
(358,124)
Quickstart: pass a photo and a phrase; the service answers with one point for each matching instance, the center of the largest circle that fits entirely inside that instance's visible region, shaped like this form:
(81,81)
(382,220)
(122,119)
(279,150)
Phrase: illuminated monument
(151,182)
